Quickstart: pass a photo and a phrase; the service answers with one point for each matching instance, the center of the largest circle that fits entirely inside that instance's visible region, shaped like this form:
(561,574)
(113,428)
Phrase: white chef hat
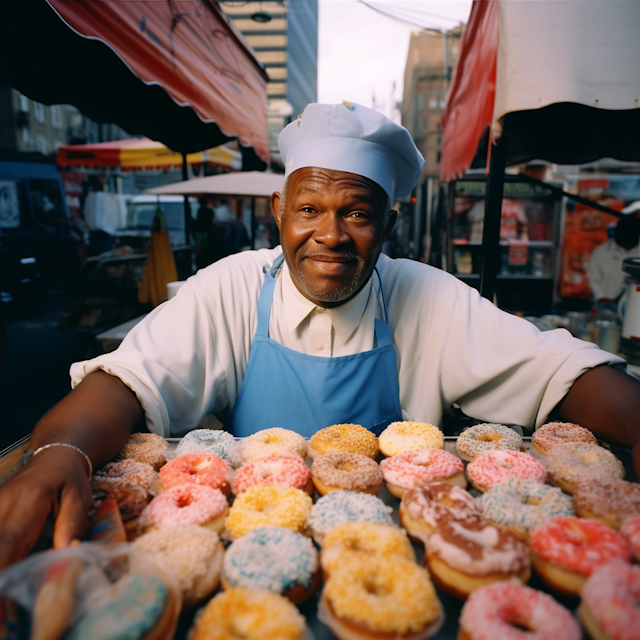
(350,137)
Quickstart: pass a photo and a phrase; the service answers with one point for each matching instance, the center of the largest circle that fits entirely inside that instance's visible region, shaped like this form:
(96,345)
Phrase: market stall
(559,85)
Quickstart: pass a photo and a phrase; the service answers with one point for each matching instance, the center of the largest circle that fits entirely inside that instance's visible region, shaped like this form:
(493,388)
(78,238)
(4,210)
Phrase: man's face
(331,229)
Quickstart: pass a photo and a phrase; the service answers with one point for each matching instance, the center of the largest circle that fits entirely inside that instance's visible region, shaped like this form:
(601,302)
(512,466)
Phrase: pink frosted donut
(493,467)
(631,533)
(610,602)
(205,469)
(186,504)
(578,545)
(414,468)
(500,611)
(552,434)
(283,470)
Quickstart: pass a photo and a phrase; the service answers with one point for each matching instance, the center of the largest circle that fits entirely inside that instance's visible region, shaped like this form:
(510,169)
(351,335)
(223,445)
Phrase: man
(320,331)
(606,277)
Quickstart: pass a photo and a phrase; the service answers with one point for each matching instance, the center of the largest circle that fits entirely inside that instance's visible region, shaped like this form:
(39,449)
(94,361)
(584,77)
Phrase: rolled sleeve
(501,368)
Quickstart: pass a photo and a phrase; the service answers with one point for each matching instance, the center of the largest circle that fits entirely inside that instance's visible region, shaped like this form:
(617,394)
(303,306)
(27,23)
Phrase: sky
(362,53)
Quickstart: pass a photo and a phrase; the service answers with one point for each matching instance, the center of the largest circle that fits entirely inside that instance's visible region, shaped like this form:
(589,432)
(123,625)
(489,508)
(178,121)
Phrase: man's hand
(97,418)
(53,482)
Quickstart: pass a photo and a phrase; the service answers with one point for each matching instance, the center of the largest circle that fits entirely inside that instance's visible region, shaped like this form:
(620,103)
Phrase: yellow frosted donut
(382,596)
(363,539)
(272,442)
(249,614)
(344,438)
(399,437)
(266,505)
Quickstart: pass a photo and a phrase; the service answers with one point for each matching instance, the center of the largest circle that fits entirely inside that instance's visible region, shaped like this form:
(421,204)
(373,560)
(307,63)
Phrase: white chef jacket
(606,277)
(188,357)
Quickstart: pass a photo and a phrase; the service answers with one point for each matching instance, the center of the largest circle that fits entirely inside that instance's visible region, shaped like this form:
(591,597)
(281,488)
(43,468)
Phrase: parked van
(37,248)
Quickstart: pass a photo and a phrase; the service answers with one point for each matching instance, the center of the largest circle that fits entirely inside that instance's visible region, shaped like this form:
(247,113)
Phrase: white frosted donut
(273,442)
(399,437)
(487,437)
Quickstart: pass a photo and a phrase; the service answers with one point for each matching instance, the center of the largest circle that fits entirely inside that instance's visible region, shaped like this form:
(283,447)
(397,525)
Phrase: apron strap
(383,331)
(266,296)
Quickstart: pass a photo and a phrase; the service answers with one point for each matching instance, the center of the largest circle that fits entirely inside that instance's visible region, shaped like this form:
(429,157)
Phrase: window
(38,112)
(420,102)
(41,145)
(56,116)
(24,103)
(46,197)
(57,144)
(420,125)
(26,136)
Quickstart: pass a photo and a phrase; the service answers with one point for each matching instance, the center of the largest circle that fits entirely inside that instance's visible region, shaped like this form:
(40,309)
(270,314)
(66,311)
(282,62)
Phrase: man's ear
(275,206)
(393,216)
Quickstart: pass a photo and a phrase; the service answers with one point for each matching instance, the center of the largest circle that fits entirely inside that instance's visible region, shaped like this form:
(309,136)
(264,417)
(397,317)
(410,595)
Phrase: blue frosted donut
(217,441)
(346,506)
(271,558)
(138,603)
(520,506)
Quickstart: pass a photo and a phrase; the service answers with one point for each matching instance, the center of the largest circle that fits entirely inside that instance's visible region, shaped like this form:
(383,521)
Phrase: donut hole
(522,625)
(184,501)
(489,437)
(201,466)
(374,587)
(344,465)
(271,440)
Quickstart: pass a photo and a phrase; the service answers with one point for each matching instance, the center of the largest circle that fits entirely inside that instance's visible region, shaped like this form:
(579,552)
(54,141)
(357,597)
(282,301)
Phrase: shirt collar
(344,318)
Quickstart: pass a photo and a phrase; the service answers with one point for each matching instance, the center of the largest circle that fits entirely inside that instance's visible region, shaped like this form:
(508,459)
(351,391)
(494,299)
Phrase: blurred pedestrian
(606,277)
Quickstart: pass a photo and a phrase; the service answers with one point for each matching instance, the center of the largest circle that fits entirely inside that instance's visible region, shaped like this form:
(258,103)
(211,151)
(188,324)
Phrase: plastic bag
(89,590)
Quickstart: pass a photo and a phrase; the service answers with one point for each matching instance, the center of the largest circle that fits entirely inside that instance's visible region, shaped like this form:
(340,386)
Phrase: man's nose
(331,231)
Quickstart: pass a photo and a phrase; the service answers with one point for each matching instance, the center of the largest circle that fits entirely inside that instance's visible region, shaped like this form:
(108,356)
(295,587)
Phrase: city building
(431,59)
(284,36)
(28,126)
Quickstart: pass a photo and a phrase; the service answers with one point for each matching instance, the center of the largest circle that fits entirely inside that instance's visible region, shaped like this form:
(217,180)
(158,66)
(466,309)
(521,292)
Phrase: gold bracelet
(61,444)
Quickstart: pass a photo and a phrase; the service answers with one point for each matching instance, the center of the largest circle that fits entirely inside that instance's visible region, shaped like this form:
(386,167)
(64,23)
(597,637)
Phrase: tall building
(430,62)
(28,126)
(284,36)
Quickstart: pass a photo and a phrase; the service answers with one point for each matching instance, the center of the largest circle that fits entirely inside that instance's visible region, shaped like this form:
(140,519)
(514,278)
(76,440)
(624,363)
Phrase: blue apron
(285,388)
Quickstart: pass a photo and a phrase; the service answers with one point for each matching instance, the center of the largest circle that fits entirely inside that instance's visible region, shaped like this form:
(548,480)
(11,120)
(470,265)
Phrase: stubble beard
(336,295)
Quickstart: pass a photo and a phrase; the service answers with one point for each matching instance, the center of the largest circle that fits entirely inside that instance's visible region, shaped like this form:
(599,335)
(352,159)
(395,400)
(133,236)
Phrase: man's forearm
(607,402)
(97,417)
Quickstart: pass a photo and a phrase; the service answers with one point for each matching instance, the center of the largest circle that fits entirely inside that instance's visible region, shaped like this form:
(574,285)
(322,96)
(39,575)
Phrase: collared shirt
(606,277)
(189,356)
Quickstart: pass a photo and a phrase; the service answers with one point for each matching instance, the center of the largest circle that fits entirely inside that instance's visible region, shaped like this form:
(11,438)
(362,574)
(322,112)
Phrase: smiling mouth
(338,258)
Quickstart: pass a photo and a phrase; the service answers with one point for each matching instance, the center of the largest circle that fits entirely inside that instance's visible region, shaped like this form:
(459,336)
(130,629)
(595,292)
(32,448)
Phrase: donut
(204,469)
(131,500)
(344,438)
(500,611)
(380,596)
(346,506)
(346,472)
(493,467)
(274,559)
(518,507)
(552,434)
(216,441)
(186,504)
(282,470)
(250,614)
(423,508)
(128,472)
(609,501)
(272,442)
(265,505)
(412,469)
(191,554)
(487,437)
(146,447)
(137,606)
(566,551)
(362,539)
(610,606)
(631,533)
(399,437)
(569,465)
(464,555)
